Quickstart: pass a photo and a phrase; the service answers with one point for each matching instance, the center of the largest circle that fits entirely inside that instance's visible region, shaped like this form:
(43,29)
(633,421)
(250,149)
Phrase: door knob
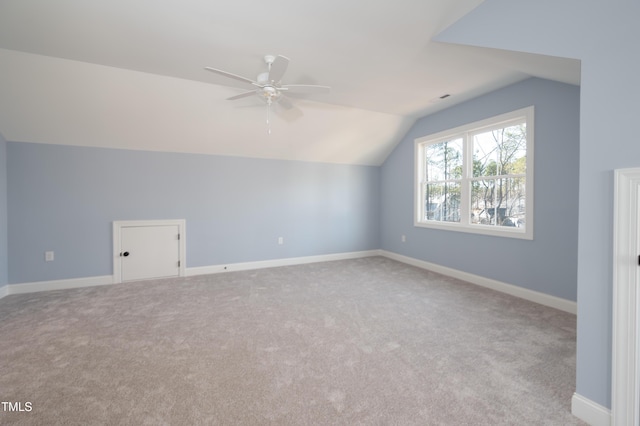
(125,254)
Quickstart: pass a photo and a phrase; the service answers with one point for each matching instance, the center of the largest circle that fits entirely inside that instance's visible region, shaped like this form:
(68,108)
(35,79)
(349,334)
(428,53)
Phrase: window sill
(502,231)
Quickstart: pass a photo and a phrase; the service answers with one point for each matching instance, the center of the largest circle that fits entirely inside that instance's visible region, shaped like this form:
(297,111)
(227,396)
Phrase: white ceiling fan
(269,85)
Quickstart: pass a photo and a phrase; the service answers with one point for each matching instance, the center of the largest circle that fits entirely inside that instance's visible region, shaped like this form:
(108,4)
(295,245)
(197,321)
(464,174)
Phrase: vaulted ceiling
(130,74)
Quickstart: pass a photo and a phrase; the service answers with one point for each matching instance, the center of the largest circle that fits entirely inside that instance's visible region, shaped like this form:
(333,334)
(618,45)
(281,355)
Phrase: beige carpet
(367,341)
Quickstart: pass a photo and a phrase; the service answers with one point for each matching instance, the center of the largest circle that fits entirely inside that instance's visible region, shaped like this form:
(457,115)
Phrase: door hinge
(639,259)
(178,236)
(178,263)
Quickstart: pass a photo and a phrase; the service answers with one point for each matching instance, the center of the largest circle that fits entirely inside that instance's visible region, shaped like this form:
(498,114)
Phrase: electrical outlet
(404,238)
(280,240)
(48,256)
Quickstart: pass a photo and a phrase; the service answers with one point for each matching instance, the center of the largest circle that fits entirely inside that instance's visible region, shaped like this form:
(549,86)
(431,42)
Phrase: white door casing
(148,249)
(625,375)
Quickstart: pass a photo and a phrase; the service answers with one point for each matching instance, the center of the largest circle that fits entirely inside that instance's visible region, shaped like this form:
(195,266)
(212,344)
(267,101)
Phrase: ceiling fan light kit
(269,86)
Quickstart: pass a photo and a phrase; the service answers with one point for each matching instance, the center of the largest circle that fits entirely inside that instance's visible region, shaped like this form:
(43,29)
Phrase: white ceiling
(129,74)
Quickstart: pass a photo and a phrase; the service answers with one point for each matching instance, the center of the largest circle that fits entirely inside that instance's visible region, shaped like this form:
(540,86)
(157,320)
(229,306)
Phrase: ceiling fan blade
(285,102)
(287,111)
(242,95)
(305,88)
(278,68)
(231,75)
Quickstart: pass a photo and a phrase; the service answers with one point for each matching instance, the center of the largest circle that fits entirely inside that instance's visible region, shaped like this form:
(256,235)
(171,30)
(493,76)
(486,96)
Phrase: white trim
(533,296)
(260,264)
(466,132)
(523,293)
(625,380)
(119,224)
(203,270)
(38,286)
(588,411)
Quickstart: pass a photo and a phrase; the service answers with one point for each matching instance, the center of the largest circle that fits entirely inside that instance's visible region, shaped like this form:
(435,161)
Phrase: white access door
(148,250)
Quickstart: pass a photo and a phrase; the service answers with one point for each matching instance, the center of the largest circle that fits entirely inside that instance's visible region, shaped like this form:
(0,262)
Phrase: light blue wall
(4,265)
(546,264)
(604,36)
(65,198)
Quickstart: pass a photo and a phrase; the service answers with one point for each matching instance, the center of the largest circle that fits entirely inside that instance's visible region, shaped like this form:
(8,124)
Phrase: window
(478,178)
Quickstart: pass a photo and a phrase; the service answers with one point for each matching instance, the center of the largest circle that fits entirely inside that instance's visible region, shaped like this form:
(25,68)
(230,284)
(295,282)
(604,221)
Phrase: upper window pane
(500,152)
(444,161)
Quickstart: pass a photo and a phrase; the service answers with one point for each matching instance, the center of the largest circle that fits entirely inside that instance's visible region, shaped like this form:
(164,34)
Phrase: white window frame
(466,132)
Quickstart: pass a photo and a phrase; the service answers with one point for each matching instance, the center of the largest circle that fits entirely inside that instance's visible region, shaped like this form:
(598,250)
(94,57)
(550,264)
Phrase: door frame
(119,224)
(625,379)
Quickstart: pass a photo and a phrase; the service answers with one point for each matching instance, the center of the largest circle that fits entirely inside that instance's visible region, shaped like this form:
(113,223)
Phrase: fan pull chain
(269,105)
(268,116)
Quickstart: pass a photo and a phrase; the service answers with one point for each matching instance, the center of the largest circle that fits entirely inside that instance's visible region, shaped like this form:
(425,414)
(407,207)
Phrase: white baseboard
(58,284)
(523,293)
(260,264)
(534,296)
(203,270)
(589,411)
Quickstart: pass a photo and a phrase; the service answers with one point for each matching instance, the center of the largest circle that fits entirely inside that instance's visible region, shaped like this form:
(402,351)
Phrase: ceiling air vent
(440,98)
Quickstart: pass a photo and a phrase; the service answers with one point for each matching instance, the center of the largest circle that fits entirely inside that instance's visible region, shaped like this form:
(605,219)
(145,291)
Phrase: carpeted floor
(368,341)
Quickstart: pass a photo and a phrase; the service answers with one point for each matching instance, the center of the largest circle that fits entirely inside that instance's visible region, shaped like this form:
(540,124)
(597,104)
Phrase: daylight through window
(478,178)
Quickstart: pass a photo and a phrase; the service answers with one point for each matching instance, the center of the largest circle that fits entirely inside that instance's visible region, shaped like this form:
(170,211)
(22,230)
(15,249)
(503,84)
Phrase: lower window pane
(442,202)
(498,202)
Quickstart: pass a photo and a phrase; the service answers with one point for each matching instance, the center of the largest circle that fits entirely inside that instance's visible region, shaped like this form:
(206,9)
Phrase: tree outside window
(499,175)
